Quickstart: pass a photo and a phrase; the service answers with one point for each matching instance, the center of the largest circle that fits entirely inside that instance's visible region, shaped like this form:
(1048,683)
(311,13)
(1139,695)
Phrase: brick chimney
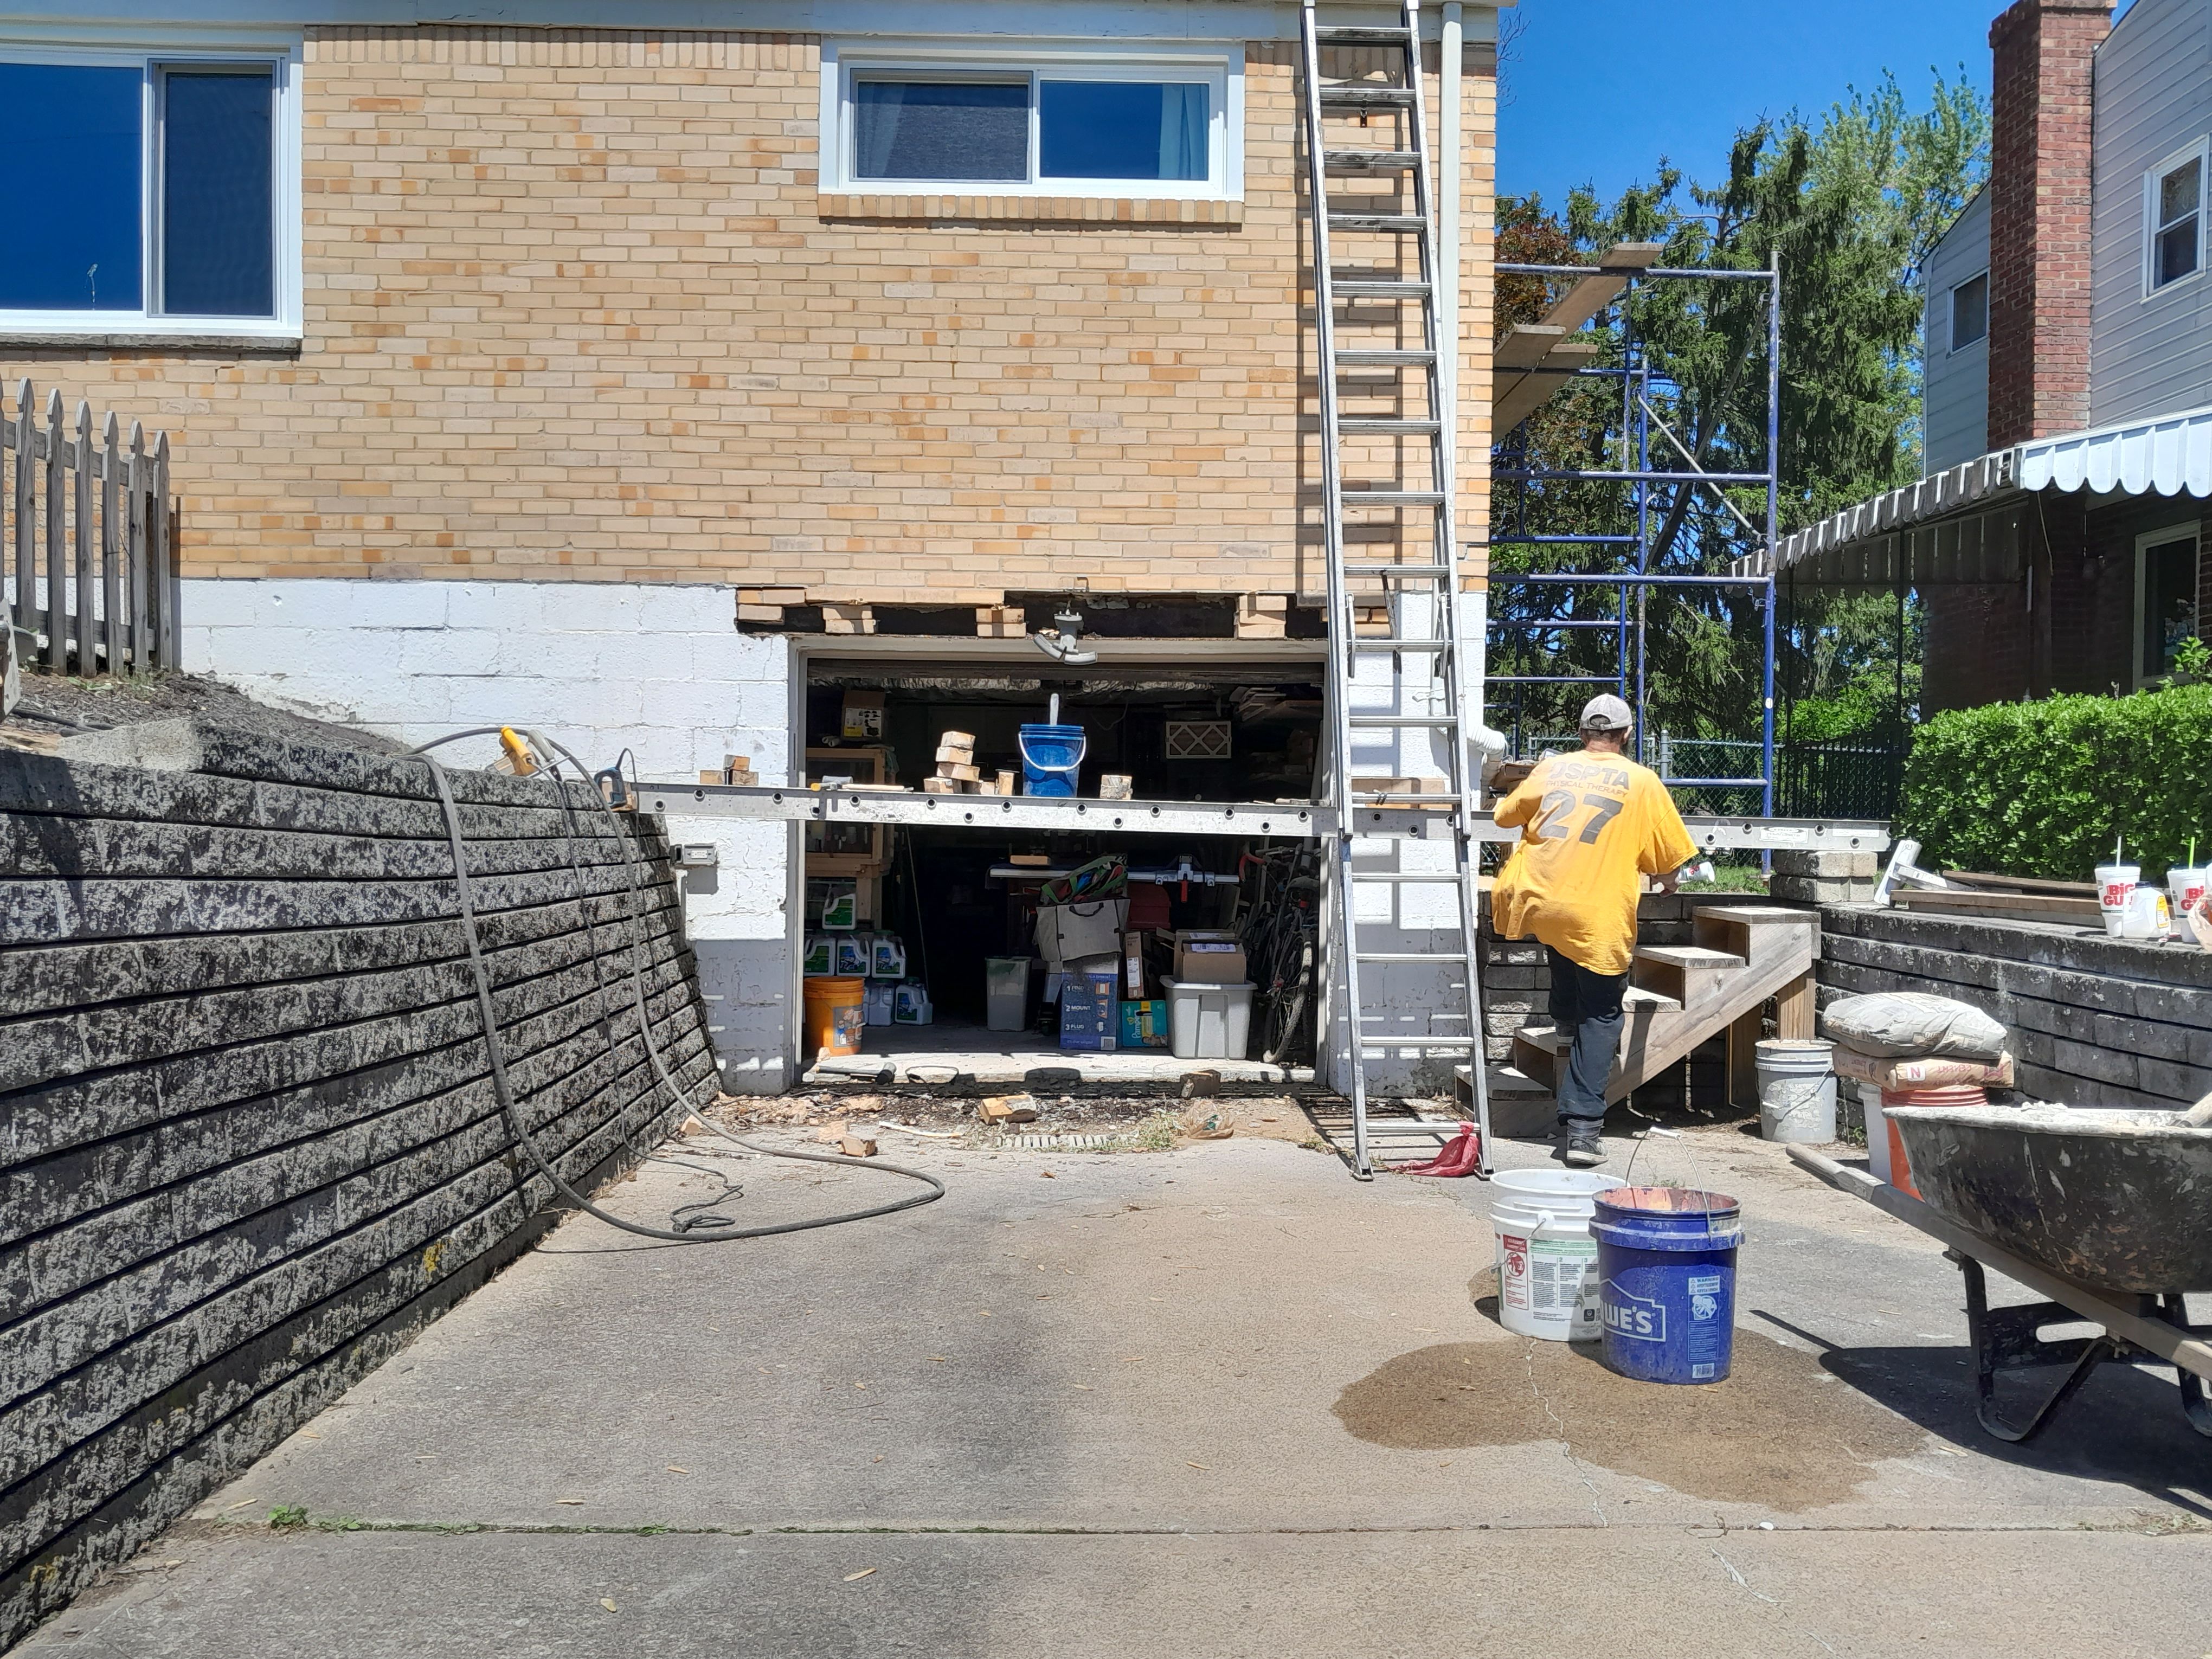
(2042,53)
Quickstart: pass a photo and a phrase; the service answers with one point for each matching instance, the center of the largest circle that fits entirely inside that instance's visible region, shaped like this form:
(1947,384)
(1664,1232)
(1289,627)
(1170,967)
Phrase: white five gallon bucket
(1796,1089)
(1547,1259)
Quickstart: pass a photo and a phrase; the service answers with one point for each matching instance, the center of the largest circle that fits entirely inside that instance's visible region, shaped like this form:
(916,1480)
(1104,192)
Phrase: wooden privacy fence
(89,535)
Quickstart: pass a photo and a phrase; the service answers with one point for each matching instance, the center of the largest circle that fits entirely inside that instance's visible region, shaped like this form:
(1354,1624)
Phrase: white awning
(1863,544)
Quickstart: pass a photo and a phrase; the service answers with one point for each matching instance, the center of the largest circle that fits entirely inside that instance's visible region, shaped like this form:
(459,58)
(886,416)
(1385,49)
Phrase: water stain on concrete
(1775,1433)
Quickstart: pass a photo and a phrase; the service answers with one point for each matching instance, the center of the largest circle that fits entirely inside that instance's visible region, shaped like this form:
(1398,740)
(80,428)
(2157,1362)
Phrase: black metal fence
(1848,778)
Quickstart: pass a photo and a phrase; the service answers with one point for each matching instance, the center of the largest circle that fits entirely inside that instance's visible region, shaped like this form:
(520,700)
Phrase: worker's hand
(1668,882)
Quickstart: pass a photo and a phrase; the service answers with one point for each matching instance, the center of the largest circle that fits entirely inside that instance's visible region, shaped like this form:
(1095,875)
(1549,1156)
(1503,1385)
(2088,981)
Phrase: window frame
(152,60)
(1952,345)
(1219,67)
(2165,535)
(2199,151)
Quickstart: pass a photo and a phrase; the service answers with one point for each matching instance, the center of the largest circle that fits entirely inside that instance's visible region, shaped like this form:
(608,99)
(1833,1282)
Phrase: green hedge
(2041,788)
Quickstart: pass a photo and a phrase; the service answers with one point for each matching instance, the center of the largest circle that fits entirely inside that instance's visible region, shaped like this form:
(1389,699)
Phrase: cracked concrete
(1218,1402)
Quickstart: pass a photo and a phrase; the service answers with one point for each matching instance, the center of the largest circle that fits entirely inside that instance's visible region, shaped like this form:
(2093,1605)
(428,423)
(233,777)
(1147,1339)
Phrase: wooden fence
(87,532)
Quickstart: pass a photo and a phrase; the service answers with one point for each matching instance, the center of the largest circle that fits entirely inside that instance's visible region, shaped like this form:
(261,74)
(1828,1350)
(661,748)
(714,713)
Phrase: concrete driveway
(1218,1402)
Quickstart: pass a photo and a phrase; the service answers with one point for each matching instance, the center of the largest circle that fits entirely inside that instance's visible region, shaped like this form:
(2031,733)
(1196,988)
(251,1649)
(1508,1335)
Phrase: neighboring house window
(1043,121)
(163,191)
(2166,595)
(1970,312)
(2173,216)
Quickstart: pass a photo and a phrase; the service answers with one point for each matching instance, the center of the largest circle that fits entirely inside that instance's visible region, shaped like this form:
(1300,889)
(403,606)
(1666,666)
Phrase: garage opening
(998,955)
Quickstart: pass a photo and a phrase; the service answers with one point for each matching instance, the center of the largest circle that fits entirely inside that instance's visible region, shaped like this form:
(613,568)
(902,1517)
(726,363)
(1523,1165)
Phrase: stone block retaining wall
(248,1142)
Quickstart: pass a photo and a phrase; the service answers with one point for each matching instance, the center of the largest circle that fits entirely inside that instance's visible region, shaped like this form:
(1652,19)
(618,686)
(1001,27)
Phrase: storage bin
(1006,993)
(1207,1021)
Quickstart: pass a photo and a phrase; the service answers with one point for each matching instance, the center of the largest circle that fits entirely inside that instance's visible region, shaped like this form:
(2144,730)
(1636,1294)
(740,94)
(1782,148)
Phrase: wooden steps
(1681,995)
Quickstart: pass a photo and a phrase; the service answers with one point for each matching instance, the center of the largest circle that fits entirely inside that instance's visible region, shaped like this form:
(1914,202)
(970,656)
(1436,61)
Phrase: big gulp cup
(2184,887)
(2114,882)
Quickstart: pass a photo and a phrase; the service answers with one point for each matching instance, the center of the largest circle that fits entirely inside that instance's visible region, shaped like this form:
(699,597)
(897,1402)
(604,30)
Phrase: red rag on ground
(1462,1156)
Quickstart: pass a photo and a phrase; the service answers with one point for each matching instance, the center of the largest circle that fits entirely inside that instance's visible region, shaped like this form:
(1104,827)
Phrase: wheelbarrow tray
(2118,1200)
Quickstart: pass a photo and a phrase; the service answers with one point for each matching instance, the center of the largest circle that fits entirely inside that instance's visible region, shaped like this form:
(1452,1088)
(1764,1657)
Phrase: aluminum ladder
(1417,588)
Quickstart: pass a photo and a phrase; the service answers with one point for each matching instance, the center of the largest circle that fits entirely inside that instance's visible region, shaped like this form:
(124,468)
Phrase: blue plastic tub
(1666,1269)
(1050,757)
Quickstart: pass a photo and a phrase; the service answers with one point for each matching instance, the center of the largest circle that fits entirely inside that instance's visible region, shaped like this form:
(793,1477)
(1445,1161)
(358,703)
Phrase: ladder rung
(1344,35)
(1383,357)
(1378,648)
(1392,497)
(1406,426)
(1352,97)
(1392,223)
(1367,1042)
(1372,161)
(1411,955)
(1403,719)
(1375,288)
(1428,572)
(1438,878)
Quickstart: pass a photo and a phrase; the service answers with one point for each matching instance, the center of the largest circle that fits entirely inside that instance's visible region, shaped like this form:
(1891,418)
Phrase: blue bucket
(1050,755)
(1666,1269)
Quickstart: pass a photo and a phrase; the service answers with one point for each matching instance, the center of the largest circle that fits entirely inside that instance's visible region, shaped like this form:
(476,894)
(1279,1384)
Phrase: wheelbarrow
(2107,1214)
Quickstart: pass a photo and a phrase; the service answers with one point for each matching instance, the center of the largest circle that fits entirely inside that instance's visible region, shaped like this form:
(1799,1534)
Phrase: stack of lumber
(956,771)
(253,1144)
(2015,898)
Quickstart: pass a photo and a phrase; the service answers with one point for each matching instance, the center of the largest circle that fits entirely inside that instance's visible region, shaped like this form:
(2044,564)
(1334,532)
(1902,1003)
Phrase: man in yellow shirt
(1591,823)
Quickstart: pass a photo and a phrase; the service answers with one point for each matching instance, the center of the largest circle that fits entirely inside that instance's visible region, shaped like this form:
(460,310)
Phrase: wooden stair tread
(1503,1080)
(1755,913)
(1688,956)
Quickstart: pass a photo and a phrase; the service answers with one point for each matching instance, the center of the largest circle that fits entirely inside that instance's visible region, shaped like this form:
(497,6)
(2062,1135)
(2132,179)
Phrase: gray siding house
(1956,338)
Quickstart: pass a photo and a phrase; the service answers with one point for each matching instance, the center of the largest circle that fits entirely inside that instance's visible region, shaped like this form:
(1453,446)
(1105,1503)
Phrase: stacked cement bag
(1907,1043)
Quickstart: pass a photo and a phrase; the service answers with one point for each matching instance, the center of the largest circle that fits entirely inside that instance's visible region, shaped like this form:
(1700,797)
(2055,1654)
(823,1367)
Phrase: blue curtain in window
(1133,130)
(943,130)
(218,193)
(69,189)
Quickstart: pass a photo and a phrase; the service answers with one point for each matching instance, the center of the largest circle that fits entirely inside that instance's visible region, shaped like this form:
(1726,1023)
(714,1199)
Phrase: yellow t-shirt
(1589,824)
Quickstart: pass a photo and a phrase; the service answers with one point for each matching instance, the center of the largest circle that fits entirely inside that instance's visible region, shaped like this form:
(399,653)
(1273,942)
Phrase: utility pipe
(1449,168)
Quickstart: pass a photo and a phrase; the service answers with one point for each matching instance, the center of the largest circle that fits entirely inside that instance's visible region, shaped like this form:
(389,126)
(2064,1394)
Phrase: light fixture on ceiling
(1064,641)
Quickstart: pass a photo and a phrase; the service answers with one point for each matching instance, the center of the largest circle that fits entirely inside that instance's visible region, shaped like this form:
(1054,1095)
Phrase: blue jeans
(1587,1007)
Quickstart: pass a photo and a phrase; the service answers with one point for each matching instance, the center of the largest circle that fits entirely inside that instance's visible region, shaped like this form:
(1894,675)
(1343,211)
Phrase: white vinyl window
(1970,312)
(2174,219)
(1037,121)
(164,189)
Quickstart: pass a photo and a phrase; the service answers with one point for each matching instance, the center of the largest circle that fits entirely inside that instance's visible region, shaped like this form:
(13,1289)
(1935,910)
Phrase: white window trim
(1951,346)
(288,271)
(1221,66)
(2201,153)
(2144,543)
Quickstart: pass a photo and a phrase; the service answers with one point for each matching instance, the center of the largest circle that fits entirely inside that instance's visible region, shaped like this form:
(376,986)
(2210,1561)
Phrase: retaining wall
(2094,1021)
(248,1142)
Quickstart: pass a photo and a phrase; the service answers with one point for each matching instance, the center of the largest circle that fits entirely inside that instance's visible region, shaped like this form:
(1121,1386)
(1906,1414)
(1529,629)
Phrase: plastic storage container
(1051,756)
(1208,1022)
(1005,992)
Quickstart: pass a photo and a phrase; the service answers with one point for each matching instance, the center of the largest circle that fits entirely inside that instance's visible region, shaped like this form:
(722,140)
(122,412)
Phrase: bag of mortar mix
(1923,1072)
(1913,1025)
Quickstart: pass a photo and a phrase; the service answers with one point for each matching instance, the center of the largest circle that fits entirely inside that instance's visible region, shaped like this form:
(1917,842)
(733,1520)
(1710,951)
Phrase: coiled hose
(494,1050)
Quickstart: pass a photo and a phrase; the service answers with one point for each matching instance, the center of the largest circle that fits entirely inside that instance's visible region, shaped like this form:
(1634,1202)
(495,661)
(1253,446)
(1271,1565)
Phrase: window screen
(2174,250)
(1969,311)
(2169,602)
(70,188)
(218,182)
(941,130)
(1122,129)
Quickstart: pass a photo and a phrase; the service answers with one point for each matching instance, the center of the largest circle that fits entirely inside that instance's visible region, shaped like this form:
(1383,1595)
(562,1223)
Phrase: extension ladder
(1413,596)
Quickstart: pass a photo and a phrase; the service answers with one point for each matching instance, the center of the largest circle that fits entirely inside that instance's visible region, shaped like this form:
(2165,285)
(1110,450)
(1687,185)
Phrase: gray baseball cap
(1607,713)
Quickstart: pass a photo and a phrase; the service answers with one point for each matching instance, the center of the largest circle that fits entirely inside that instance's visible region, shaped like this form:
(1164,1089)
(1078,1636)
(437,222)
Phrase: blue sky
(1601,90)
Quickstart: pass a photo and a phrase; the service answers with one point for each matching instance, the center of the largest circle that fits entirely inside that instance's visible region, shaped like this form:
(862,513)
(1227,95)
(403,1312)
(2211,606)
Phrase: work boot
(1585,1149)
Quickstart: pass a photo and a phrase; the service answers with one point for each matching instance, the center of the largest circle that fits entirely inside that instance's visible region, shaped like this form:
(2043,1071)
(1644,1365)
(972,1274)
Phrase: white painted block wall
(602,667)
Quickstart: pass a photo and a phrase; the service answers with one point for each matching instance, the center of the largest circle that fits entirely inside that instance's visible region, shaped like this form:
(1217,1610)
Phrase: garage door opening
(1209,943)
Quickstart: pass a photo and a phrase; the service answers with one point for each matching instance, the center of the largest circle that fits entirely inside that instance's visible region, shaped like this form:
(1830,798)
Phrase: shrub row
(2042,788)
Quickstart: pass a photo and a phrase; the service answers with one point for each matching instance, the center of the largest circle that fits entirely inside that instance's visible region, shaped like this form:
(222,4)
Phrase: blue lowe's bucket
(1666,1269)
(1050,755)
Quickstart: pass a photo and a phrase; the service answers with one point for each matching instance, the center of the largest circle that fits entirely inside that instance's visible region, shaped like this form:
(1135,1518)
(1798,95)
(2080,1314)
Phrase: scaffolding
(1538,611)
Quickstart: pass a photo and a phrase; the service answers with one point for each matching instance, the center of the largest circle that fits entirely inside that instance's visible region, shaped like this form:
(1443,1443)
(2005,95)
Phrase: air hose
(496,1052)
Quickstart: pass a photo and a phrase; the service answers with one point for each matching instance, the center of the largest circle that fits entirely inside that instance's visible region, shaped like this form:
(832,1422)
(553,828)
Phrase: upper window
(1970,312)
(2174,219)
(1046,122)
(158,185)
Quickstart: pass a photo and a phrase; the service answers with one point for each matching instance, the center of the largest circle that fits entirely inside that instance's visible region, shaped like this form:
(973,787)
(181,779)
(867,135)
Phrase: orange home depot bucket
(834,1014)
(1927,1094)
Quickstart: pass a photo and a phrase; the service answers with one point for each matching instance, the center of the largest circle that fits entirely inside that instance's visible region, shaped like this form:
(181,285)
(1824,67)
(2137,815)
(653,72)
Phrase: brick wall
(574,308)
(2039,207)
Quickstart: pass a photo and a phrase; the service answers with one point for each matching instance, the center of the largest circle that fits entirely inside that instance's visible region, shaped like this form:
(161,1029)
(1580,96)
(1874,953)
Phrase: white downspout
(1449,168)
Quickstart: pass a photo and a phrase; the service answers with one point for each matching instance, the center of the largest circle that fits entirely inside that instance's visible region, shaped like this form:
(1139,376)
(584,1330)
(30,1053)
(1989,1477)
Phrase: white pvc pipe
(1448,166)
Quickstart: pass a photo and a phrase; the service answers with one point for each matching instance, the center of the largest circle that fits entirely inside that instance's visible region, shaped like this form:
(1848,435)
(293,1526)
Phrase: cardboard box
(864,716)
(1133,964)
(1090,1012)
(1207,957)
(1065,931)
(1144,1025)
